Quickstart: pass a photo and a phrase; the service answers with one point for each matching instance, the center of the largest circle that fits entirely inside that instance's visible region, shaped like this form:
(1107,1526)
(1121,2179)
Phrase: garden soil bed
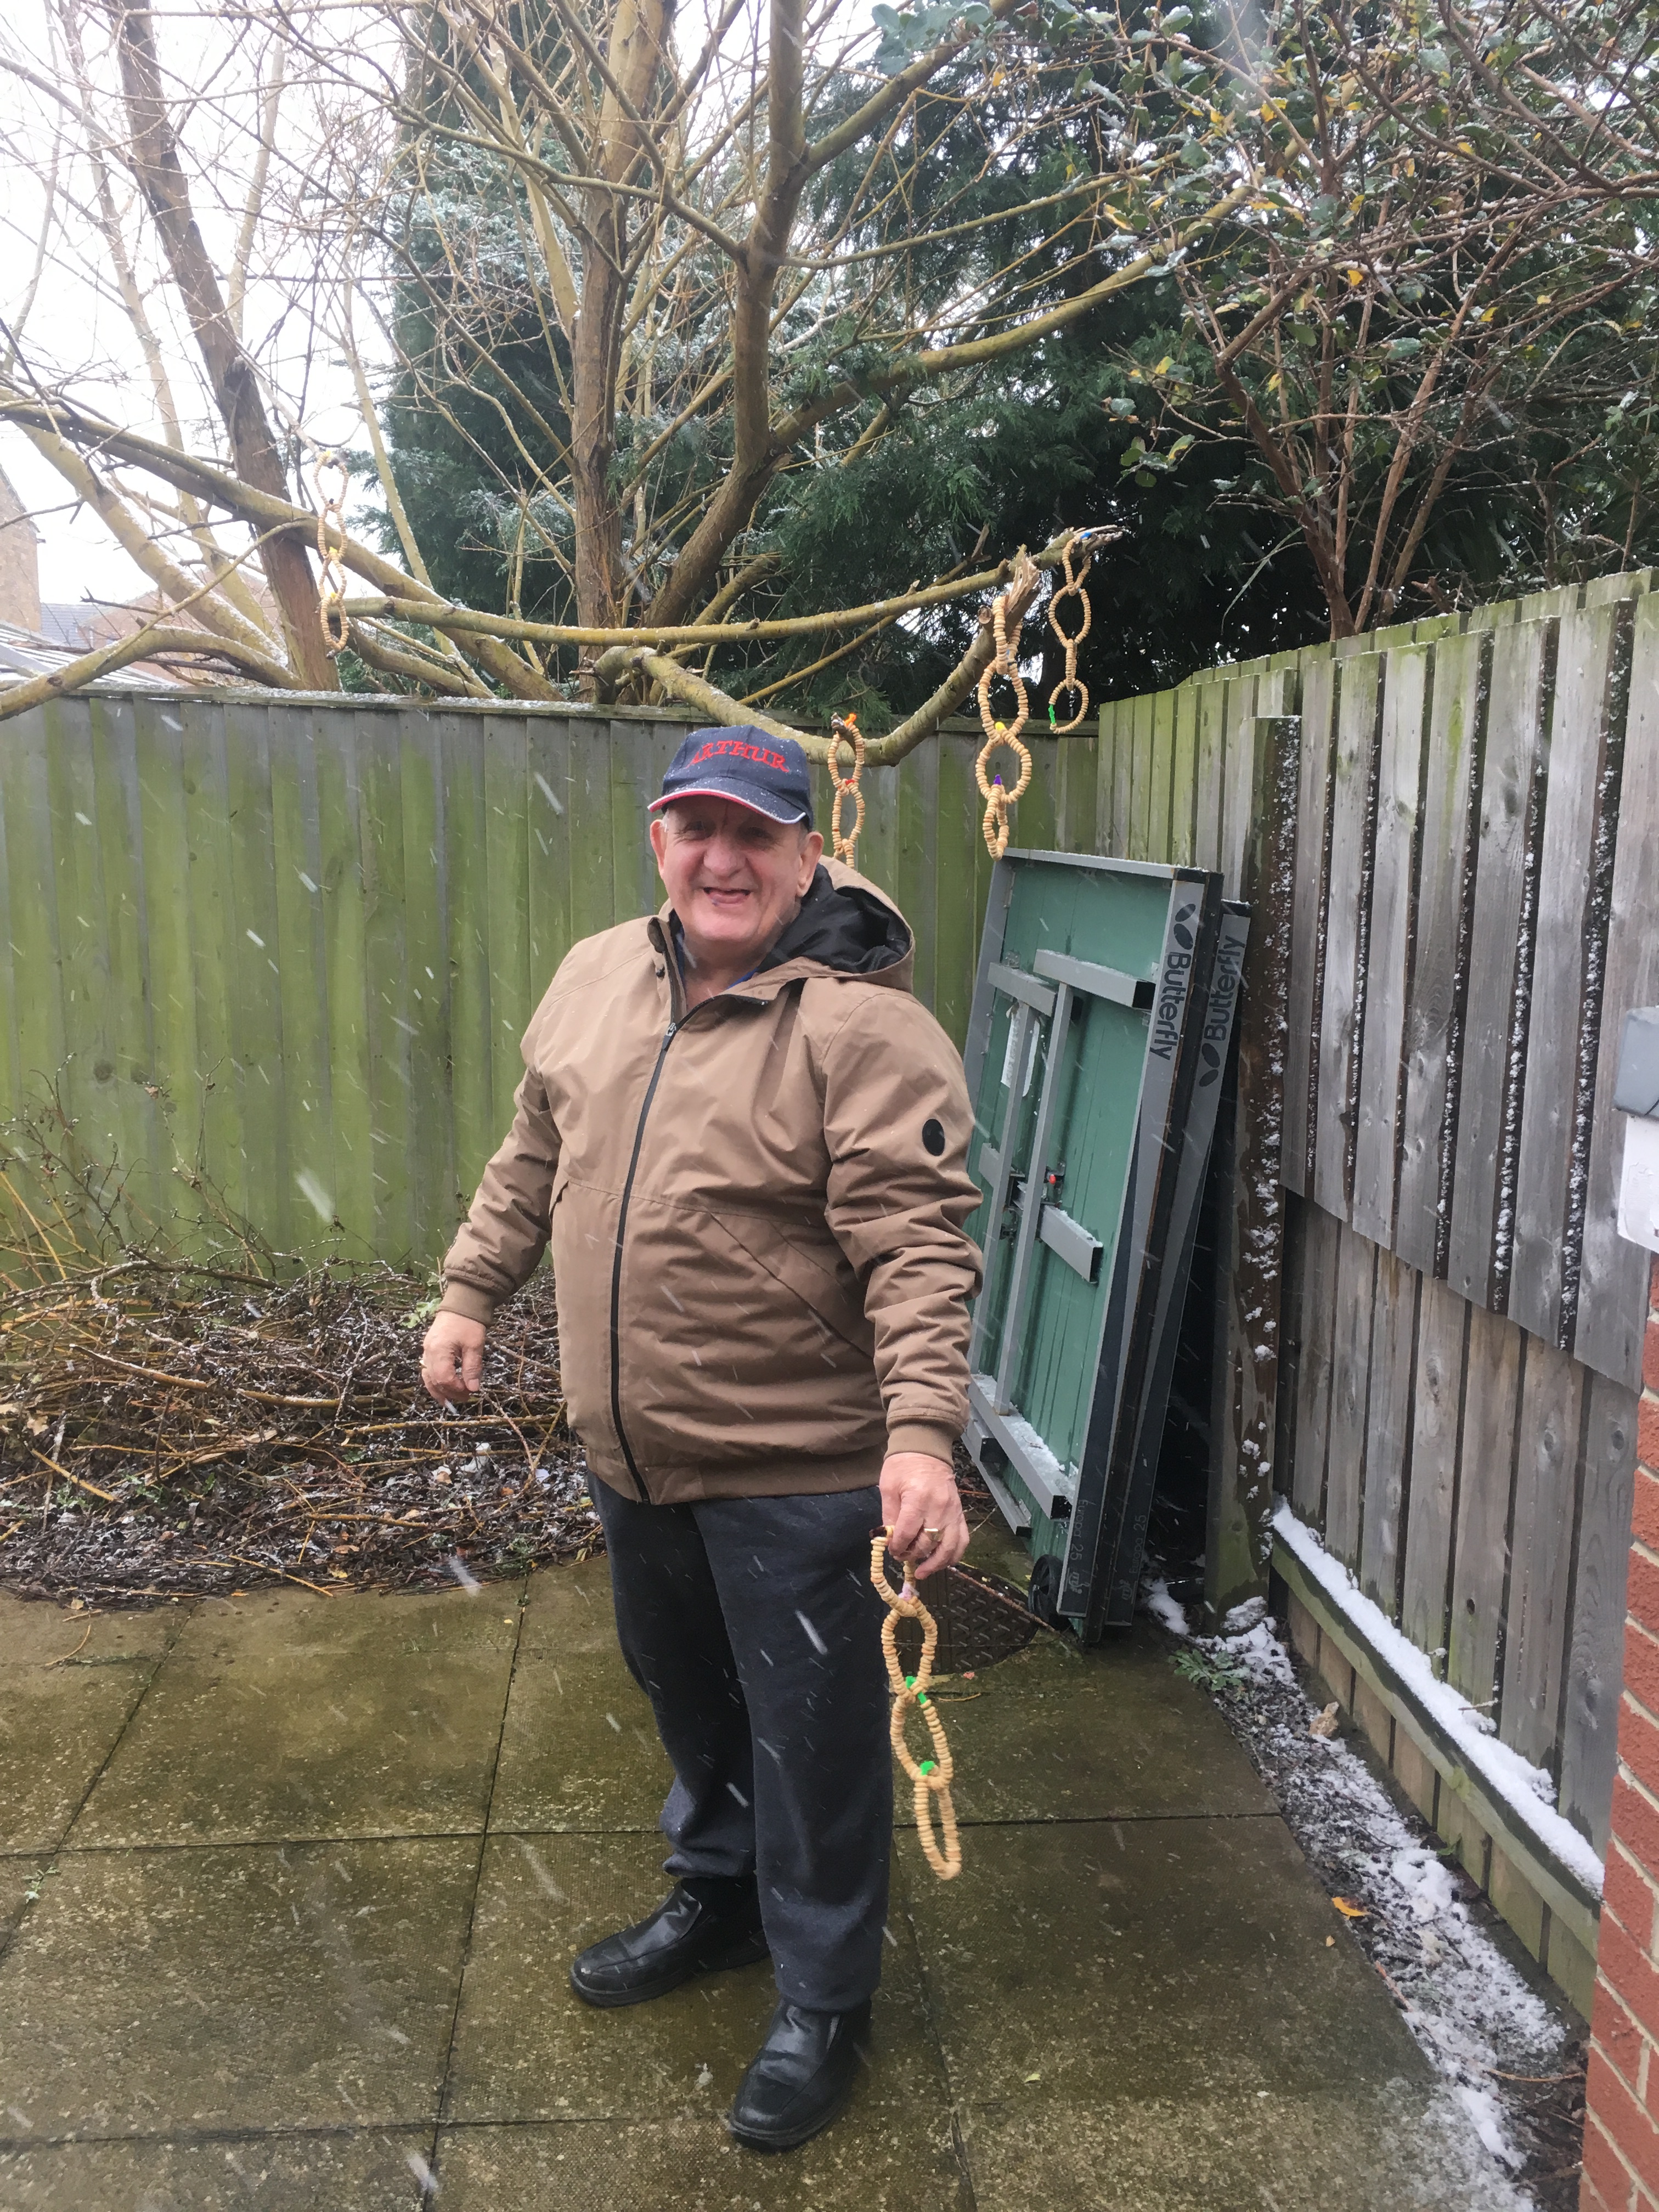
(165,1432)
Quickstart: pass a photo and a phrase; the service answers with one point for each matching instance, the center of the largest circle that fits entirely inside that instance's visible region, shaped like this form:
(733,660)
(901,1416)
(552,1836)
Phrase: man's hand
(919,1495)
(452,1358)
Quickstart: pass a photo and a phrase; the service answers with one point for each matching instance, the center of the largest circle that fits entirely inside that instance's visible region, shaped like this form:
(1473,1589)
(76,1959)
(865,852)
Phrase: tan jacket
(755,1208)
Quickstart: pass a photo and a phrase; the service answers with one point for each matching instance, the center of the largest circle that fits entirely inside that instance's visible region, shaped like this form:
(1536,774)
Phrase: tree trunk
(254,458)
(634,62)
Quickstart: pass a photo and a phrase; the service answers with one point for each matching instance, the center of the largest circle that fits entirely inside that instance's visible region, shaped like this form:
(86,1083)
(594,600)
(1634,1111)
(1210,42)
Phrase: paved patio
(288,1885)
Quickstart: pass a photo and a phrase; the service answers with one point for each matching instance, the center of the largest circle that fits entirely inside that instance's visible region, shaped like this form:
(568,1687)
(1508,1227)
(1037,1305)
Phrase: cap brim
(740,798)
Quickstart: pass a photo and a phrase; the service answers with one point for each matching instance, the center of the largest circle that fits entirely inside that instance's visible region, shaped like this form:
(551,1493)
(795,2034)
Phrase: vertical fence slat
(956,832)
(126,925)
(1343,1007)
(1345,1464)
(158,756)
(1456,728)
(1511,751)
(1183,780)
(1243,1440)
(1162,777)
(434,1199)
(1611,1293)
(1238,784)
(1590,1722)
(1442,1326)
(918,804)
(1389,1428)
(1541,1568)
(1210,769)
(1318,1320)
(1492,1396)
(256,1009)
(387,1004)
(463,738)
(302,970)
(77,890)
(1140,777)
(550,802)
(1399,769)
(1583,695)
(1306,932)
(340,840)
(209,889)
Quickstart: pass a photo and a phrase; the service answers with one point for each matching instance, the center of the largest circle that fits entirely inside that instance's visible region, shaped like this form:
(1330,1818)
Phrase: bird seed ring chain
(930,1778)
(1071,589)
(997,799)
(846,732)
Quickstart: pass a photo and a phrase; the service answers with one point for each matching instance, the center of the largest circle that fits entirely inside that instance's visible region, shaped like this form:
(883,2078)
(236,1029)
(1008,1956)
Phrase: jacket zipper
(616,1270)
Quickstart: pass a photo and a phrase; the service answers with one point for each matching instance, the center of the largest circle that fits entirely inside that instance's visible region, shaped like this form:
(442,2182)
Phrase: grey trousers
(750,1625)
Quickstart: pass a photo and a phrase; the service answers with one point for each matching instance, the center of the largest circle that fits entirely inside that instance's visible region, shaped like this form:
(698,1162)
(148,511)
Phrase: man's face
(735,876)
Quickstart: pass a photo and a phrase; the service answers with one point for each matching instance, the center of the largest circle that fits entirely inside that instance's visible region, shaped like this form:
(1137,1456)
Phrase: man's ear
(812,852)
(659,837)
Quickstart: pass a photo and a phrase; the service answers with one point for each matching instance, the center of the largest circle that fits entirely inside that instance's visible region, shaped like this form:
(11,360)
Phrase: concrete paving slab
(308,1986)
(20,1880)
(870,2161)
(1057,1734)
(34,1632)
(1388,2147)
(1147,1958)
(69,1684)
(580,1750)
(526,2048)
(267,2173)
(288,1716)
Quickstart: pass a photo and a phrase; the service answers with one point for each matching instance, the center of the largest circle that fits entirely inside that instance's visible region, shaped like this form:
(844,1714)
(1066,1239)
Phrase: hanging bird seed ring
(930,1778)
(845,732)
(1072,588)
(997,796)
(331,482)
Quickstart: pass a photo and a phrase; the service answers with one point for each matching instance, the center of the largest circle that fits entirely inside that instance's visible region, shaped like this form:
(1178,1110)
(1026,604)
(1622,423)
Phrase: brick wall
(1621,2127)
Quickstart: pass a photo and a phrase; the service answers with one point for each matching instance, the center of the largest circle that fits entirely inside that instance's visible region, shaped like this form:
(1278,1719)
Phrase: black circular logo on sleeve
(933,1137)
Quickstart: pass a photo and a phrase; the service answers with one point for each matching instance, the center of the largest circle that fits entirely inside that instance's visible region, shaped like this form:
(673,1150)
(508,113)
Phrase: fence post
(1244,1402)
(1621,2120)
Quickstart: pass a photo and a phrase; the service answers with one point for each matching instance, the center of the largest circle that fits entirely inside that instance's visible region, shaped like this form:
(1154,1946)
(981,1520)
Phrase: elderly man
(746,1143)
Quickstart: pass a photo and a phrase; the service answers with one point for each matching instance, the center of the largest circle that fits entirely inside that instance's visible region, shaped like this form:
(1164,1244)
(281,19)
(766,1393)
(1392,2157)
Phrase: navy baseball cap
(749,766)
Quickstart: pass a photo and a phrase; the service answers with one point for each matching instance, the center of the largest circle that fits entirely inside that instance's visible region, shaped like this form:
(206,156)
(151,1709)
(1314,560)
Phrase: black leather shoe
(709,1924)
(801,2077)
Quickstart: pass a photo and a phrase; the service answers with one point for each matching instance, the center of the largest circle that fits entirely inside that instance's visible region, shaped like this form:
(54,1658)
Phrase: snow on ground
(1474,2014)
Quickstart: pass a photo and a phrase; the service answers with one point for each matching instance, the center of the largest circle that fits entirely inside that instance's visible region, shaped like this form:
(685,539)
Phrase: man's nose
(724,855)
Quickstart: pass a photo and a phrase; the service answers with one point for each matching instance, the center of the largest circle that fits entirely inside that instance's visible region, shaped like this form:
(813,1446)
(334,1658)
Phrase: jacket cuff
(464,1298)
(922,1436)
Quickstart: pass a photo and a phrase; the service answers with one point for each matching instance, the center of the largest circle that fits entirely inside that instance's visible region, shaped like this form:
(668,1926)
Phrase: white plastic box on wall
(1637,1095)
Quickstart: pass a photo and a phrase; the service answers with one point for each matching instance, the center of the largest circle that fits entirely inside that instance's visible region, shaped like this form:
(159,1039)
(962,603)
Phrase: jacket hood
(847,927)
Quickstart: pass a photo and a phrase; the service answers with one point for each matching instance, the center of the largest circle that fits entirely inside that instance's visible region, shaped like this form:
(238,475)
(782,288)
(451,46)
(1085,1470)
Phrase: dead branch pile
(165,1427)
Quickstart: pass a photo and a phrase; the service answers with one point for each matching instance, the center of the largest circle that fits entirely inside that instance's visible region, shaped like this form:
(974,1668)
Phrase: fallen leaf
(1033,2077)
(1349,1910)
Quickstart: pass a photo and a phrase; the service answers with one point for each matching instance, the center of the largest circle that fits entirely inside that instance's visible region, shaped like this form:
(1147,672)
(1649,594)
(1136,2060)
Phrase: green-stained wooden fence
(290,946)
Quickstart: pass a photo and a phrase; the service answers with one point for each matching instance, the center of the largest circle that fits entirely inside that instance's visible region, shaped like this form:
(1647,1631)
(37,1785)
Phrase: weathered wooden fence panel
(277,955)
(1471,814)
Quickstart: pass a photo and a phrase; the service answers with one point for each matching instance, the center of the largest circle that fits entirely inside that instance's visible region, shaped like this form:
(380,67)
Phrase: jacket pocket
(815,1285)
